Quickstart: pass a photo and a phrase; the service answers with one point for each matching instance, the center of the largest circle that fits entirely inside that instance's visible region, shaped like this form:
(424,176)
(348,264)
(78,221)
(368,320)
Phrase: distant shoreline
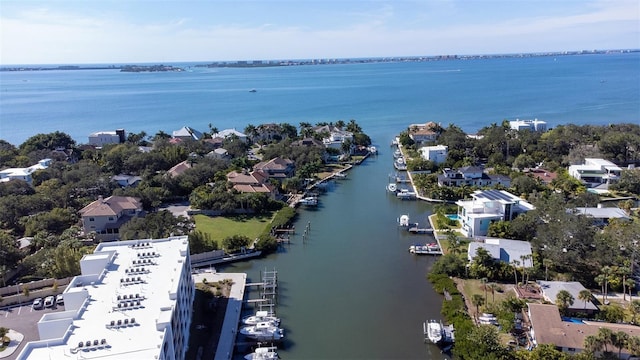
(299,62)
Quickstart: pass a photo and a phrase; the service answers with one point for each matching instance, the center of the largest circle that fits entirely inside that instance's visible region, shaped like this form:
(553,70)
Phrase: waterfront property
(504,250)
(277,168)
(187,133)
(471,176)
(602,215)
(548,327)
(125,289)
(101,138)
(532,125)
(106,216)
(422,133)
(253,182)
(437,154)
(487,206)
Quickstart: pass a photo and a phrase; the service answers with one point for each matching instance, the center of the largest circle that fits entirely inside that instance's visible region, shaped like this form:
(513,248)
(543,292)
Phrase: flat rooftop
(125,296)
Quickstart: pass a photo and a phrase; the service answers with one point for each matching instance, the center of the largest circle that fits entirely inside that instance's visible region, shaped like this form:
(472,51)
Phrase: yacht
(263,331)
(434,331)
(340,175)
(424,249)
(261,316)
(403,220)
(392,187)
(405,194)
(309,201)
(263,353)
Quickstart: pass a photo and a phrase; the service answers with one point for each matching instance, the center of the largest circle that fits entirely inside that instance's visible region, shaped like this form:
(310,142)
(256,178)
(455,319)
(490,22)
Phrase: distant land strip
(274,63)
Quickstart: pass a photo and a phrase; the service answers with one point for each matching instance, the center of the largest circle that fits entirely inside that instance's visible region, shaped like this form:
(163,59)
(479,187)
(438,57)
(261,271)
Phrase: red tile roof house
(254,182)
(277,168)
(106,216)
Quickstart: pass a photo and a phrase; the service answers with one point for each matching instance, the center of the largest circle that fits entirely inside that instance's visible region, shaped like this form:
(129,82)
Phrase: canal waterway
(352,290)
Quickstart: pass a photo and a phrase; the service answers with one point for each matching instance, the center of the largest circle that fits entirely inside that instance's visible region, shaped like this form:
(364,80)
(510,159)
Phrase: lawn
(219,227)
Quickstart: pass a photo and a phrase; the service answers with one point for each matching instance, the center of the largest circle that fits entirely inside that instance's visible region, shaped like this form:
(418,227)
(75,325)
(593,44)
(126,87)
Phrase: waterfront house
(276,168)
(187,133)
(24,174)
(227,133)
(532,125)
(568,335)
(253,182)
(423,133)
(505,250)
(595,172)
(106,216)
(336,138)
(486,206)
(550,290)
(437,154)
(545,176)
(471,176)
(267,133)
(101,138)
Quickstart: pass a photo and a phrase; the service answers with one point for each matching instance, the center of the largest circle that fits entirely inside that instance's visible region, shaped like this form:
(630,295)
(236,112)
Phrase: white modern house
(230,132)
(133,300)
(533,125)
(437,154)
(471,176)
(487,206)
(596,171)
(24,174)
(101,138)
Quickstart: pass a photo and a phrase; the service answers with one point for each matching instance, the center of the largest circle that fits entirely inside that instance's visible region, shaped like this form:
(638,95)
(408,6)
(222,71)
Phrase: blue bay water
(350,290)
(382,97)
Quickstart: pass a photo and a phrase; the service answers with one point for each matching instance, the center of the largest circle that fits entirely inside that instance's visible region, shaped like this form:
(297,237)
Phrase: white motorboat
(263,353)
(263,331)
(403,220)
(373,150)
(309,201)
(405,194)
(392,187)
(431,248)
(340,175)
(434,331)
(261,316)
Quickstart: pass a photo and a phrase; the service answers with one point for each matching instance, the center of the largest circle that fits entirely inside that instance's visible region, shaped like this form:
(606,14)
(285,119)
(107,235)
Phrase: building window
(91,219)
(110,218)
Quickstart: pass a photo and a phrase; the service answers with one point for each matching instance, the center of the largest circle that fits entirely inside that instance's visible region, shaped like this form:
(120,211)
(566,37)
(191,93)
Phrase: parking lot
(24,319)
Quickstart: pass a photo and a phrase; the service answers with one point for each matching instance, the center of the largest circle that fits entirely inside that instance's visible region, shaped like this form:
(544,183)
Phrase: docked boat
(373,150)
(400,164)
(434,331)
(263,353)
(397,154)
(405,194)
(309,201)
(340,175)
(392,187)
(261,316)
(263,331)
(431,248)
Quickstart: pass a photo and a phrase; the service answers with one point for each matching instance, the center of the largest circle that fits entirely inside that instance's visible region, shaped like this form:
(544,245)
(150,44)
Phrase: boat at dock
(400,164)
(434,331)
(261,316)
(263,331)
(373,150)
(427,249)
(392,187)
(309,201)
(263,353)
(405,194)
(340,175)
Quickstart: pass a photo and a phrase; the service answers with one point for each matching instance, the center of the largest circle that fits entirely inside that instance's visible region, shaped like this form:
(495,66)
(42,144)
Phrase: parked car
(59,299)
(49,301)
(37,303)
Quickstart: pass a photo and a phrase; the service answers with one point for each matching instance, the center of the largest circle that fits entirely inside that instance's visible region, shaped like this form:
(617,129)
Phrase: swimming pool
(453,217)
(572,320)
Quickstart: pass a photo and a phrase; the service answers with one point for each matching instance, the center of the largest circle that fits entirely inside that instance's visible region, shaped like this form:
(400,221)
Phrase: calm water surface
(352,290)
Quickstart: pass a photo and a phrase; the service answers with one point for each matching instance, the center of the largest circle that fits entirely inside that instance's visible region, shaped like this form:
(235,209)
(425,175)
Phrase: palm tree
(606,272)
(484,282)
(515,264)
(593,343)
(584,295)
(525,275)
(477,300)
(634,306)
(630,284)
(547,264)
(600,280)
(624,271)
(606,336)
(564,299)
(619,340)
(493,287)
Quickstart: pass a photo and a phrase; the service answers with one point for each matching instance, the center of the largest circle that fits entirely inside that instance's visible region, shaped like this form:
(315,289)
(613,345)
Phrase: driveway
(177,209)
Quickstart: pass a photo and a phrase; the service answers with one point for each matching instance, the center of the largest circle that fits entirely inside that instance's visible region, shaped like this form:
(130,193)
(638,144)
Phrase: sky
(162,31)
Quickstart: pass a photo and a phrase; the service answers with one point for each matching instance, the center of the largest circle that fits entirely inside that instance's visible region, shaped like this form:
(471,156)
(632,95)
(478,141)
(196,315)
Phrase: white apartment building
(437,154)
(132,301)
(101,138)
(596,171)
(487,206)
